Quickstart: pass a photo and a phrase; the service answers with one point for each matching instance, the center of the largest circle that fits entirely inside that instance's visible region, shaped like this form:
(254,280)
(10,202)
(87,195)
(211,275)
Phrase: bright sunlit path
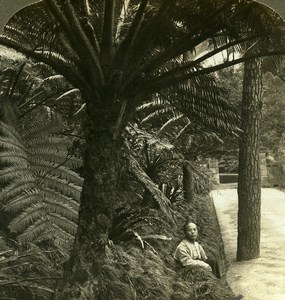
(262,278)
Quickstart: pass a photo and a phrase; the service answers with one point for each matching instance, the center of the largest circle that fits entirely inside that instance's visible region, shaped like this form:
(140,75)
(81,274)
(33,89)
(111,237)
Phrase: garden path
(264,277)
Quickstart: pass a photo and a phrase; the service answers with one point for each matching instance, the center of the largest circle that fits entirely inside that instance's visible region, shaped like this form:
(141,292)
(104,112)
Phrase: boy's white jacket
(190,254)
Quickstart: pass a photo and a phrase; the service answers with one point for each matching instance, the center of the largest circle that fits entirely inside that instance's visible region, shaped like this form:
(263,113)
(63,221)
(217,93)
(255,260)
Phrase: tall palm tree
(118,53)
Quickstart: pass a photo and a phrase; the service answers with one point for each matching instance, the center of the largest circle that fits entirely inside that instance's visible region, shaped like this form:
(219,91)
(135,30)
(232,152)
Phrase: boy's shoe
(238,297)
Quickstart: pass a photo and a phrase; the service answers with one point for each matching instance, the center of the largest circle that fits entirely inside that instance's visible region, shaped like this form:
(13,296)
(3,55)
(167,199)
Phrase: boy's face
(191,231)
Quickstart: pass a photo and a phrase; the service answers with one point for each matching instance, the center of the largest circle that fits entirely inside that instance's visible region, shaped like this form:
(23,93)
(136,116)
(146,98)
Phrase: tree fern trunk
(249,184)
(102,160)
(188,183)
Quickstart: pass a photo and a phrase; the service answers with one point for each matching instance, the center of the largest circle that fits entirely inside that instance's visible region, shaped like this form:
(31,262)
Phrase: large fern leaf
(148,184)
(39,187)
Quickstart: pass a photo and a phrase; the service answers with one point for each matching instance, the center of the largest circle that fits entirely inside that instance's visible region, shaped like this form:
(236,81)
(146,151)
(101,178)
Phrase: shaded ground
(262,278)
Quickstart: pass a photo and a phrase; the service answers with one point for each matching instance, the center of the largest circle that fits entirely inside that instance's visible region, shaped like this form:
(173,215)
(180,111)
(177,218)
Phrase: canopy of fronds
(129,50)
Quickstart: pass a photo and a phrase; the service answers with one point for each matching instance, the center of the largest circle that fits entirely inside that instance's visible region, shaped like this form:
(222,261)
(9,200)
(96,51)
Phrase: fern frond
(62,186)
(23,201)
(65,224)
(40,126)
(13,157)
(49,154)
(40,188)
(66,70)
(67,174)
(55,160)
(58,171)
(70,93)
(63,209)
(17,187)
(171,122)
(149,185)
(42,141)
(30,215)
(146,106)
(57,58)
(61,234)
(36,230)
(9,131)
(15,171)
(53,80)
(52,194)
(157,114)
(37,219)
(67,161)
(62,239)
(157,237)
(182,130)
(11,143)
(15,32)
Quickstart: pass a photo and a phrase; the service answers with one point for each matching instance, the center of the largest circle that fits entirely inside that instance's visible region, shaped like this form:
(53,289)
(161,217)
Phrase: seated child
(191,253)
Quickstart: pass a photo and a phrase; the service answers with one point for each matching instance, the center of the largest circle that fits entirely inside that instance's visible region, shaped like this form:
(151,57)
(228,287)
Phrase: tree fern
(40,188)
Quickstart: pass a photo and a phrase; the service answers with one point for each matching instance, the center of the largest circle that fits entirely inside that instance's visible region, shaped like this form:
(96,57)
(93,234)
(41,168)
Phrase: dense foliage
(120,54)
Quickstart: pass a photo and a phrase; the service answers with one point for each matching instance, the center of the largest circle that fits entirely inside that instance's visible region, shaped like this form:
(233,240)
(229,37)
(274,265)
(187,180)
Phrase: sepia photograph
(142,149)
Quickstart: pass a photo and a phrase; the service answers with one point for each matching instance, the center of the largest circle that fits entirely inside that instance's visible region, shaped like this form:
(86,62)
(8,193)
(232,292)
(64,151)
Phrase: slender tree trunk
(148,199)
(249,184)
(188,183)
(101,164)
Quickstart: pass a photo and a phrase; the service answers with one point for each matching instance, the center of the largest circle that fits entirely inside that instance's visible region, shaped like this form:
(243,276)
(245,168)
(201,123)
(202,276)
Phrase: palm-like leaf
(149,185)
(39,187)
(179,129)
(27,90)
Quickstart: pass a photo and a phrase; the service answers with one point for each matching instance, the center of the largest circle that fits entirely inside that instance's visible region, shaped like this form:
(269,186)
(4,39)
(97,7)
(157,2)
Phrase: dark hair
(186,223)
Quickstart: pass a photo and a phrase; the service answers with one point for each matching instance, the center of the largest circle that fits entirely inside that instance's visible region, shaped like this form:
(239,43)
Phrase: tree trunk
(148,199)
(188,183)
(101,164)
(249,183)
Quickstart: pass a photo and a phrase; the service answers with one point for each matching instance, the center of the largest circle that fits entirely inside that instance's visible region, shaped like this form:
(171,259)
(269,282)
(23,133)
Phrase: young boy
(191,253)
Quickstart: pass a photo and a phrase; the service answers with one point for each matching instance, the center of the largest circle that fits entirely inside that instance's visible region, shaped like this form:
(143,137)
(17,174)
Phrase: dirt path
(262,278)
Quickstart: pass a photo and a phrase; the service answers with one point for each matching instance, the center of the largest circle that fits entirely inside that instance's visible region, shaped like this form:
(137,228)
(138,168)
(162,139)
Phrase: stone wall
(272,173)
(213,166)
(263,169)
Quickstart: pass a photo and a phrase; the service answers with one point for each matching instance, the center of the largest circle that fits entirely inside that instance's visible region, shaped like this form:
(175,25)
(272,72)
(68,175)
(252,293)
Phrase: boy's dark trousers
(215,267)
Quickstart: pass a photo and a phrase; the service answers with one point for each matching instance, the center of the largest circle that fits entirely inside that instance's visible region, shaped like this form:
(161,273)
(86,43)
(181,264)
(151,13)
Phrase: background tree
(249,182)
